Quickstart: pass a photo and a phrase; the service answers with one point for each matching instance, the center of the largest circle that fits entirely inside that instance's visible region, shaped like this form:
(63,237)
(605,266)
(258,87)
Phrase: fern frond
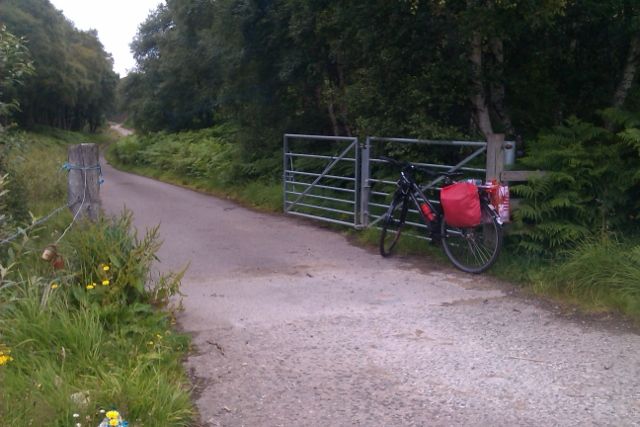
(621,118)
(631,137)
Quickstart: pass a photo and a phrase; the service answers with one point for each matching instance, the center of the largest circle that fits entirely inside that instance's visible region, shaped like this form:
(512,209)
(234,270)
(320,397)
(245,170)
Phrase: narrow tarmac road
(296,327)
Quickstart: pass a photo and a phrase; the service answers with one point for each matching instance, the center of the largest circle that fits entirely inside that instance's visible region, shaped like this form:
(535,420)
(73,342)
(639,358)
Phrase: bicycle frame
(472,248)
(408,188)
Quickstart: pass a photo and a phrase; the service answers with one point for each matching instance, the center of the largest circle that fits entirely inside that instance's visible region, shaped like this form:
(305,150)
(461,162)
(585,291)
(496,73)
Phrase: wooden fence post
(495,156)
(84,181)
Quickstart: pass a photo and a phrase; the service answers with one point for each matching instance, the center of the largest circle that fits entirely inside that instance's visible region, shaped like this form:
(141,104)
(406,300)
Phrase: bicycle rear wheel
(473,249)
(392,225)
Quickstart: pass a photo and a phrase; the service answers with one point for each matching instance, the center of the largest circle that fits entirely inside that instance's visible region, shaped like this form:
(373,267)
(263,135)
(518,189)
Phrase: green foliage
(6,221)
(73,86)
(70,360)
(32,161)
(79,349)
(262,195)
(201,155)
(599,273)
(15,66)
(116,263)
(29,161)
(398,68)
(591,188)
(205,160)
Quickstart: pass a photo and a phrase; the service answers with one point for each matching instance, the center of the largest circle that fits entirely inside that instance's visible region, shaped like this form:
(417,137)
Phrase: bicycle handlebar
(409,165)
(394,161)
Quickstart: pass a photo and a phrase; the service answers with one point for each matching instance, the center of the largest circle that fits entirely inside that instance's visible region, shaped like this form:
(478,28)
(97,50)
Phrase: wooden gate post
(84,181)
(495,156)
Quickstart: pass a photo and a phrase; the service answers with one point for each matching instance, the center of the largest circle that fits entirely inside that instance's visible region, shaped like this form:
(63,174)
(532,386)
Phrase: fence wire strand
(67,167)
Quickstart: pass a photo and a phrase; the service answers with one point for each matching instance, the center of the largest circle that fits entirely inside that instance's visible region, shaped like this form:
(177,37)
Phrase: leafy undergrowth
(91,336)
(203,160)
(600,275)
(94,334)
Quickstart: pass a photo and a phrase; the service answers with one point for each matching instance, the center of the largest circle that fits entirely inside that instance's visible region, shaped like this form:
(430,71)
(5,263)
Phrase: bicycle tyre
(392,225)
(473,249)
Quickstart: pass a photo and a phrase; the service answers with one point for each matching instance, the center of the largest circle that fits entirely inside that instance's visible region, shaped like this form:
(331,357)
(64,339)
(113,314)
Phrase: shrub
(590,189)
(68,360)
(109,257)
(69,346)
(601,272)
(206,154)
(79,347)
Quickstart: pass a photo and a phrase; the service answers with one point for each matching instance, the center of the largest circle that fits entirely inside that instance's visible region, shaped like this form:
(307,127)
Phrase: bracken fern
(590,189)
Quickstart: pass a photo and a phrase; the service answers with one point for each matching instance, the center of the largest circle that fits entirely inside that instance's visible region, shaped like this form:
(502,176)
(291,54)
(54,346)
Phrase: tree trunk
(341,103)
(478,99)
(332,117)
(629,73)
(330,109)
(497,88)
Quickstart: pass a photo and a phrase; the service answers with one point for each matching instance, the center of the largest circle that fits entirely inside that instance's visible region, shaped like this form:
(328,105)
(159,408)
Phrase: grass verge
(201,160)
(94,333)
(600,274)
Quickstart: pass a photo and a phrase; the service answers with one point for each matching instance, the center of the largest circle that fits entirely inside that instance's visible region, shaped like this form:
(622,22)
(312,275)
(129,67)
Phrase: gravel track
(294,326)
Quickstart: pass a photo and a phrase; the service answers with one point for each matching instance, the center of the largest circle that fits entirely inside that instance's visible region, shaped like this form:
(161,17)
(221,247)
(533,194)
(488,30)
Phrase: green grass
(91,331)
(61,351)
(80,349)
(600,275)
(260,194)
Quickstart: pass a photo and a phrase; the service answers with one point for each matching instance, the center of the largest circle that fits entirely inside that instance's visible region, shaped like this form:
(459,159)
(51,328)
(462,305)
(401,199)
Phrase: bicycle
(471,249)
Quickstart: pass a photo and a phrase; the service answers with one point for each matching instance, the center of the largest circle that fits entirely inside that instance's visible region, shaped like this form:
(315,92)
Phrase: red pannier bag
(461,204)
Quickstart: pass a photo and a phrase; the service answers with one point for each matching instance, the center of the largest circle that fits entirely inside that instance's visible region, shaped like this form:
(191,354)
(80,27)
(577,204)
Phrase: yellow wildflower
(114,422)
(105,267)
(113,415)
(105,282)
(54,286)
(91,286)
(150,343)
(4,357)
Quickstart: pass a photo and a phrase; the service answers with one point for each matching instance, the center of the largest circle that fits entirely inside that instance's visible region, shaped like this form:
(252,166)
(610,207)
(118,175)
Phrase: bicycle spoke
(473,249)
(482,250)
(392,225)
(482,256)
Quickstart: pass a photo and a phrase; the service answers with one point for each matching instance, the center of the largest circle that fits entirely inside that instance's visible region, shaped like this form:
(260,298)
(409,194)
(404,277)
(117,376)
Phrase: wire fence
(68,167)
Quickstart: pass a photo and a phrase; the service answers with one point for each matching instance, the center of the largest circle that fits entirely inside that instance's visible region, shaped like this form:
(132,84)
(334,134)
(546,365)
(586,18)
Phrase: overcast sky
(116,21)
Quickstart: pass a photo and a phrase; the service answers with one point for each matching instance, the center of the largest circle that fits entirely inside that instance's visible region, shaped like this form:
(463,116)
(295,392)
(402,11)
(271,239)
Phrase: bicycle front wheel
(473,249)
(392,225)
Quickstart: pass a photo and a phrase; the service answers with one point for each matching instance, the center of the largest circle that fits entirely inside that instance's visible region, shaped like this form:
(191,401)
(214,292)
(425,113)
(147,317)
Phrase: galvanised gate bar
(322,178)
(341,180)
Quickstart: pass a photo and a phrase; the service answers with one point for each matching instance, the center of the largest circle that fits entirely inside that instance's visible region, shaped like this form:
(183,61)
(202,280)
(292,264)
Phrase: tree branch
(478,98)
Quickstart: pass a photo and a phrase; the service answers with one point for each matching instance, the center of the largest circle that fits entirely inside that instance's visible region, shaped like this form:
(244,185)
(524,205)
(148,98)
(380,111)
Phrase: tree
(15,66)
(390,67)
(74,83)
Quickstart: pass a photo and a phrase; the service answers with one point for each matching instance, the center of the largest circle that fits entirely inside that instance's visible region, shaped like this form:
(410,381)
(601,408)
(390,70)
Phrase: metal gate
(377,189)
(339,180)
(322,178)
